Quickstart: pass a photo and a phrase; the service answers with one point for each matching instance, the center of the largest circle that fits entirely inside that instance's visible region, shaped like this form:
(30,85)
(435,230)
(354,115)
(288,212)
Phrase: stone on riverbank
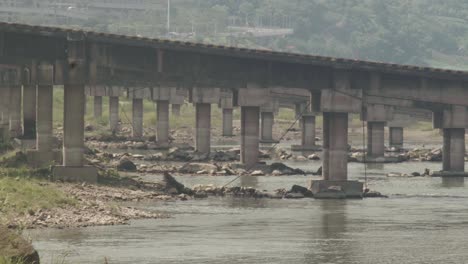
(125,164)
(16,249)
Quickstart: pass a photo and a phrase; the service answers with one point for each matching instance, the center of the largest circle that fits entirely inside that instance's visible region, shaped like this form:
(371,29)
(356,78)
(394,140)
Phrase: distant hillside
(420,32)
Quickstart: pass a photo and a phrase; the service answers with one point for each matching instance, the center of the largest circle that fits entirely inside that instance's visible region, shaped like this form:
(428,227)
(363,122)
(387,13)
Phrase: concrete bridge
(39,57)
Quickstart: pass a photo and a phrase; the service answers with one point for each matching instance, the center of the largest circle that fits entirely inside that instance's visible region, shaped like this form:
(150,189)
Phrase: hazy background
(420,32)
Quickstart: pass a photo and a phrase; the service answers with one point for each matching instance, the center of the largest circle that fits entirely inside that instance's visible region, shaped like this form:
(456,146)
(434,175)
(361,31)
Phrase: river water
(424,220)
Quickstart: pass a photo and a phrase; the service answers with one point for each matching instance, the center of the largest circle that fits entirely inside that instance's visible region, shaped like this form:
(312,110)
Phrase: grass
(22,195)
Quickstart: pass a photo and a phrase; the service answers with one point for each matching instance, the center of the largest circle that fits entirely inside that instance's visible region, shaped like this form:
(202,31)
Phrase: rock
(137,156)
(15,249)
(126,165)
(224,156)
(200,156)
(301,158)
(172,183)
(257,173)
(140,145)
(196,167)
(293,196)
(178,154)
(89,128)
(154,157)
(200,195)
(373,194)
(276,173)
(313,157)
(416,174)
(302,190)
(285,170)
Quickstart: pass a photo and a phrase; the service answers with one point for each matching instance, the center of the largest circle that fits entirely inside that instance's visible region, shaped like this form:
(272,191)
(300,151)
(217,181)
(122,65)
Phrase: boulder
(172,184)
(196,167)
(126,164)
(302,190)
(313,157)
(257,173)
(225,156)
(16,249)
(178,154)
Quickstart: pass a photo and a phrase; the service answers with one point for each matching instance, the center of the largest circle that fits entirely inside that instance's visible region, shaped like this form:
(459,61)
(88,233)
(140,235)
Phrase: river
(424,220)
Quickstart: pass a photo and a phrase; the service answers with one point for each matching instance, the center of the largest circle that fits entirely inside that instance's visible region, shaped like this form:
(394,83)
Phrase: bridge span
(165,71)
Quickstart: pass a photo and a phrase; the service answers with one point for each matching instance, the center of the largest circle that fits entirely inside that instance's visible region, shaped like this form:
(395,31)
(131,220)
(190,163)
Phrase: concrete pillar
(227,122)
(375,139)
(176,109)
(73,127)
(44,118)
(308,131)
(15,111)
(267,119)
(162,122)
(44,154)
(249,135)
(203,127)
(454,150)
(29,111)
(97,107)
(4,112)
(137,118)
(396,137)
(335,146)
(114,114)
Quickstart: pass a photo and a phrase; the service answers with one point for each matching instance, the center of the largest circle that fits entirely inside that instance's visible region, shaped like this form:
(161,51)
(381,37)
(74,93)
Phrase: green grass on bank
(22,195)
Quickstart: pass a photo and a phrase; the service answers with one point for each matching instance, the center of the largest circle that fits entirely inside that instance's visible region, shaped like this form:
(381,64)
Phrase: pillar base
(305,148)
(39,159)
(4,134)
(449,174)
(323,189)
(25,144)
(75,174)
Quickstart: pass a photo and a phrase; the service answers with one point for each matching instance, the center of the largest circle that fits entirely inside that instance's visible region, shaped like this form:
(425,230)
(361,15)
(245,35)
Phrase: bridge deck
(339,63)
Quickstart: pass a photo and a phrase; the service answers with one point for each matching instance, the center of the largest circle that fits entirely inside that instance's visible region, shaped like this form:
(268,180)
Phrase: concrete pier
(249,135)
(162,122)
(396,137)
(176,109)
(114,114)
(307,135)
(44,155)
(97,107)
(4,112)
(29,111)
(375,139)
(227,122)
(73,168)
(267,122)
(203,127)
(335,146)
(454,150)
(137,118)
(15,111)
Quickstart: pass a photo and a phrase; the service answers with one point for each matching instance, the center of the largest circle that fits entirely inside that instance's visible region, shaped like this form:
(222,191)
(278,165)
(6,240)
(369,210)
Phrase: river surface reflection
(424,220)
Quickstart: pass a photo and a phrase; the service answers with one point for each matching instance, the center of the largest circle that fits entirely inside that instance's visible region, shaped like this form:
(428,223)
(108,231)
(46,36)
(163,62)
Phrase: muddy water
(424,220)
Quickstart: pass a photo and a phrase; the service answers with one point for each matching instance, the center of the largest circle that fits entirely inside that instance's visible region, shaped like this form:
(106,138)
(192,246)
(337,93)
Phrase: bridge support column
(249,135)
(114,114)
(44,154)
(73,168)
(97,107)
(29,111)
(396,137)
(453,121)
(15,111)
(203,128)
(375,139)
(268,120)
(454,150)
(336,106)
(176,109)
(251,99)
(227,122)
(137,118)
(4,113)
(308,134)
(162,123)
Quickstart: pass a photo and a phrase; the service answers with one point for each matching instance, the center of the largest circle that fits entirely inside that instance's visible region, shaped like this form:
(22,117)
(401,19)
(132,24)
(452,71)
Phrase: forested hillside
(422,32)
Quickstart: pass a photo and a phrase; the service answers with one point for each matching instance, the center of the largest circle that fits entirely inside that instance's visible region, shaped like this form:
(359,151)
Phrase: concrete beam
(227,122)
(249,135)
(137,118)
(114,114)
(16,129)
(29,111)
(162,122)
(203,128)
